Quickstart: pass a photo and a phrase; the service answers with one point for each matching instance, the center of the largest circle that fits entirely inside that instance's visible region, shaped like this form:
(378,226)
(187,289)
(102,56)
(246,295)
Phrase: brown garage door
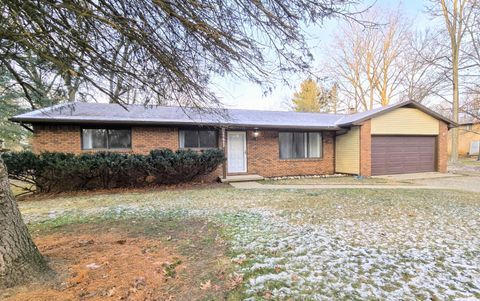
(402,154)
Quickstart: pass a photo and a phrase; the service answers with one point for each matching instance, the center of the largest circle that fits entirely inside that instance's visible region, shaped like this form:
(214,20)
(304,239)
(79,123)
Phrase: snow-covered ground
(334,245)
(357,260)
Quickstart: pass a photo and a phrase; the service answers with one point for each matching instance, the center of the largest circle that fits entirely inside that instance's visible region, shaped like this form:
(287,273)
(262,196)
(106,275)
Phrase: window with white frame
(299,145)
(106,138)
(198,139)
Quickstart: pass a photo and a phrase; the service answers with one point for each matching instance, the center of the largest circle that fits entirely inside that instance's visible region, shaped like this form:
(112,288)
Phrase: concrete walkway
(466,183)
(418,176)
(257,185)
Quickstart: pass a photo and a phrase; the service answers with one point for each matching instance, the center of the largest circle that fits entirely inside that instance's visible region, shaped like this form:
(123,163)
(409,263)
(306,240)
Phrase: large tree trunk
(456,96)
(20,260)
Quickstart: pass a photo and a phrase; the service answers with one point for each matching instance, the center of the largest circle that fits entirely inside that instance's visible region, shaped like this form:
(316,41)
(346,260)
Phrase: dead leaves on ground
(206,285)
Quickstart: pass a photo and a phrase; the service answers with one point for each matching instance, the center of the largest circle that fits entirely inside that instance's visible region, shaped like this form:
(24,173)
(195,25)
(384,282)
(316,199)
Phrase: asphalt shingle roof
(101,113)
(139,114)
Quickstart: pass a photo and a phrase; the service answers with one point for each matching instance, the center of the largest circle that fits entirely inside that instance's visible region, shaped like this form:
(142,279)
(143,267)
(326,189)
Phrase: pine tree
(314,97)
(308,98)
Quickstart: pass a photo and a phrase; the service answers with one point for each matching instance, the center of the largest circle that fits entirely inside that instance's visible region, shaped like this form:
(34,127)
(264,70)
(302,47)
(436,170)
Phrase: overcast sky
(243,94)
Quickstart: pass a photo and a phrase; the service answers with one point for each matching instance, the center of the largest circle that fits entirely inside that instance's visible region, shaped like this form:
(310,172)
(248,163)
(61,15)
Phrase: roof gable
(358,118)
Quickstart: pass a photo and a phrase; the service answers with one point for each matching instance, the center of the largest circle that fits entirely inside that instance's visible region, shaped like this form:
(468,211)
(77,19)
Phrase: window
(297,145)
(106,138)
(474,147)
(198,139)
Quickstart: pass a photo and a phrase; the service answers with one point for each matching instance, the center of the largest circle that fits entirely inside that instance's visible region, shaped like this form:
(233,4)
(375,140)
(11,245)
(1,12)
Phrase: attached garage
(403,154)
(396,139)
(403,141)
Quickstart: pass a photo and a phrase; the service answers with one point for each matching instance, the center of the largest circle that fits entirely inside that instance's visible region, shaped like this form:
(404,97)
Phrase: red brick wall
(263,157)
(55,138)
(262,153)
(442,154)
(144,139)
(365,149)
(66,138)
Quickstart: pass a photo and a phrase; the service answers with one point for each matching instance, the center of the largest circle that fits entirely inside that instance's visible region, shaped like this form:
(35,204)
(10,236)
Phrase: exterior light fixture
(256,134)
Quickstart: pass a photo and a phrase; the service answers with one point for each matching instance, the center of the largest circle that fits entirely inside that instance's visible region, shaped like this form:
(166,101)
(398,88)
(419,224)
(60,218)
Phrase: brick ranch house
(405,137)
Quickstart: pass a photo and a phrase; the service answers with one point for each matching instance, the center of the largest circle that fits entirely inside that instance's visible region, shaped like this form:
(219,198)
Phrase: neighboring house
(468,139)
(400,138)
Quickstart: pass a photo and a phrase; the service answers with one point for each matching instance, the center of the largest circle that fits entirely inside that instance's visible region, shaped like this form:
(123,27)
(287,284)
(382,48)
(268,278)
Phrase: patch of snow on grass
(357,260)
(335,245)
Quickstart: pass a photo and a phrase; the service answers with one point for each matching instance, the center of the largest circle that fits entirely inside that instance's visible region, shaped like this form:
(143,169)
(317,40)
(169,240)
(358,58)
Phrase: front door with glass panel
(237,152)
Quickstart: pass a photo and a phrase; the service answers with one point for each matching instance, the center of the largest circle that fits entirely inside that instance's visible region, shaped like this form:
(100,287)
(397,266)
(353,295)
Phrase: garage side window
(198,139)
(300,145)
(106,138)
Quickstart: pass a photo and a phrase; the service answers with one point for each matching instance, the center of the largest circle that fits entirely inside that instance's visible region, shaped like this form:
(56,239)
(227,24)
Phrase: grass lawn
(223,243)
(471,161)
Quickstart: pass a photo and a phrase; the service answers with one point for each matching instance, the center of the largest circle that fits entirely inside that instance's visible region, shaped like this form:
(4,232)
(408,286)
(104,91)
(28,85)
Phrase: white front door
(237,152)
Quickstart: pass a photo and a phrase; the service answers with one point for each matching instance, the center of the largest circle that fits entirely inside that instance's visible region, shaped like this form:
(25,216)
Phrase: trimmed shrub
(56,172)
(168,167)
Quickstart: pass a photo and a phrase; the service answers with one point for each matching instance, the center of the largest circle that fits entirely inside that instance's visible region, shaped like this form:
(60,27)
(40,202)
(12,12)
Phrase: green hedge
(57,172)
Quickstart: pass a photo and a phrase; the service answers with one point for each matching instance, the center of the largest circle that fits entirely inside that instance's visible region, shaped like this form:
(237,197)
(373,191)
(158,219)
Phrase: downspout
(224,165)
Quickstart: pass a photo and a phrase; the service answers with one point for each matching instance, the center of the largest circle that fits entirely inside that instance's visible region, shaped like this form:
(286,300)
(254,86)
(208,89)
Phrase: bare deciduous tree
(456,16)
(368,59)
(423,76)
(472,52)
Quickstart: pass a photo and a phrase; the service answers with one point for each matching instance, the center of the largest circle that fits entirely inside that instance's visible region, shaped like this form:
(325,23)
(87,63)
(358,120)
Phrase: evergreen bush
(57,172)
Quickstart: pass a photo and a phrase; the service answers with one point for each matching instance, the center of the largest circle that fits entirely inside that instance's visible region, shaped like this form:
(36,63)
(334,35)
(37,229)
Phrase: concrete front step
(242,178)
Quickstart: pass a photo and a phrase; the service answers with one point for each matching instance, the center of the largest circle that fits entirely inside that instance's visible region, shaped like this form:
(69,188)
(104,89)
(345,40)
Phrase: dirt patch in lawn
(120,265)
